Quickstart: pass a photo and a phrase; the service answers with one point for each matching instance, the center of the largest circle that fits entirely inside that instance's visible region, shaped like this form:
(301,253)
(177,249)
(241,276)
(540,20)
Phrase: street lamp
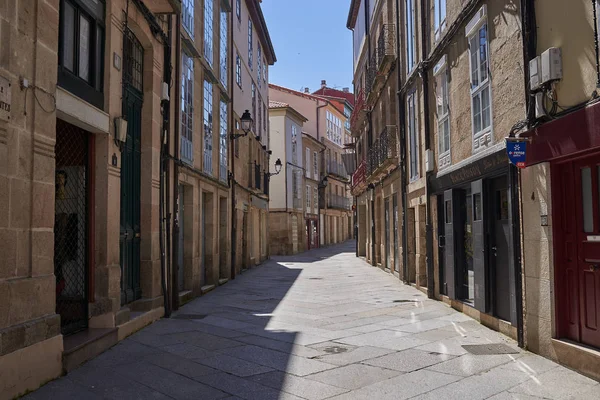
(278,166)
(246,126)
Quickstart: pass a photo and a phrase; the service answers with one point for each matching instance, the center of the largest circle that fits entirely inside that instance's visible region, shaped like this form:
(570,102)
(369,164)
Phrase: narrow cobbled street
(321,325)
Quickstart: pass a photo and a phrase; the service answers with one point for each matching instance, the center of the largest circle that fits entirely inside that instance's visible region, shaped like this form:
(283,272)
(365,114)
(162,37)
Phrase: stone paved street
(321,325)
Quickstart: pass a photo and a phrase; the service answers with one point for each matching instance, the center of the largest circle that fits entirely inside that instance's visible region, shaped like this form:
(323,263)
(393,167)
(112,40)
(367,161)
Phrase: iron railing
(297,202)
(386,44)
(257,176)
(359,175)
(358,107)
(384,149)
(337,201)
(371,73)
(267,182)
(337,168)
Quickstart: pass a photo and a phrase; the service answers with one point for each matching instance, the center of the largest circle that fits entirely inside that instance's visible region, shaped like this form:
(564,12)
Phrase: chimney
(346,90)
(306,90)
(323,84)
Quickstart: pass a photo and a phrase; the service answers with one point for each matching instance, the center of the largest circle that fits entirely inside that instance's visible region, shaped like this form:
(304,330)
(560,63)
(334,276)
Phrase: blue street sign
(517,153)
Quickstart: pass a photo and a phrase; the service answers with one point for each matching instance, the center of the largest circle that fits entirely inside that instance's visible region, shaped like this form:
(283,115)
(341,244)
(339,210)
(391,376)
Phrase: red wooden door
(587,174)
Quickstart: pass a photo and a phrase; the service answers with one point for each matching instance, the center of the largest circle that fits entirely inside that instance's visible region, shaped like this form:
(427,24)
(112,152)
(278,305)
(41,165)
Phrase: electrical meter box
(551,65)
(535,74)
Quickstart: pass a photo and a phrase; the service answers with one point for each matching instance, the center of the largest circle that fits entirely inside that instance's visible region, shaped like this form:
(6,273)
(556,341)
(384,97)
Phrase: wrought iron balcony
(383,155)
(257,176)
(267,182)
(338,202)
(337,168)
(297,202)
(359,178)
(358,114)
(371,73)
(386,48)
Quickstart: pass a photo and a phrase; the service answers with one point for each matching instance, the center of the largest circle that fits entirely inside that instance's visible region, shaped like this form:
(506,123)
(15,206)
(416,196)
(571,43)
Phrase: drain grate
(335,349)
(405,301)
(316,279)
(489,349)
(189,316)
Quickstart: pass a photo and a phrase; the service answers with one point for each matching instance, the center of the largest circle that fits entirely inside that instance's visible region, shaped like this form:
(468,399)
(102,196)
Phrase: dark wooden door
(442,245)
(499,247)
(130,199)
(396,217)
(587,175)
(387,233)
(453,233)
(133,54)
(180,258)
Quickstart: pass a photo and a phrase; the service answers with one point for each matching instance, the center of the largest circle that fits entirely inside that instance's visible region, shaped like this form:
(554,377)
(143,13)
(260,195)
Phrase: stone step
(223,281)
(83,346)
(185,296)
(207,288)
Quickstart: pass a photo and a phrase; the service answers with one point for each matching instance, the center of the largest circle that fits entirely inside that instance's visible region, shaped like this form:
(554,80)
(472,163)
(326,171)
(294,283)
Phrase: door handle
(441,241)
(137,235)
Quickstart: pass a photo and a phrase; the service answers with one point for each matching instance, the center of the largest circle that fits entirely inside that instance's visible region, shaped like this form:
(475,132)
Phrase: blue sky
(311,43)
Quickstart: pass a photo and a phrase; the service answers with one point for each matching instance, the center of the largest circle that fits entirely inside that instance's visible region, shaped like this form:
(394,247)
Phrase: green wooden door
(130,171)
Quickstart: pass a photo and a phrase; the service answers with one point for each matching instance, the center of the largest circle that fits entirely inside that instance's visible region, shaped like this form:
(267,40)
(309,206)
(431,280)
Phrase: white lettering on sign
(5,99)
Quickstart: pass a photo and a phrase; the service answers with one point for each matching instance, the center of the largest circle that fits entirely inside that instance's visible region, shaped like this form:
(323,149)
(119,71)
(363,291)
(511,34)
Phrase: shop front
(475,239)
(561,207)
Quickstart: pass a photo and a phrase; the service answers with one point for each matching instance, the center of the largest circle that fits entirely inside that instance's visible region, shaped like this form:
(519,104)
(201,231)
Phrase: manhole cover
(489,349)
(335,349)
(189,316)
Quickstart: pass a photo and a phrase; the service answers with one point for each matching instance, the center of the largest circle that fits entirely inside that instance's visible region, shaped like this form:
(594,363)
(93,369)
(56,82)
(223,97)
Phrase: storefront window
(468,273)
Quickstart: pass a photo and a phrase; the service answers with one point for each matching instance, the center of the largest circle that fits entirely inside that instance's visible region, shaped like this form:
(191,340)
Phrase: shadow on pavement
(220,345)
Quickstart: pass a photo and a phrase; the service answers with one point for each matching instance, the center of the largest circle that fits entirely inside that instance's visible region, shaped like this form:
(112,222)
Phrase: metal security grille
(133,61)
(70,227)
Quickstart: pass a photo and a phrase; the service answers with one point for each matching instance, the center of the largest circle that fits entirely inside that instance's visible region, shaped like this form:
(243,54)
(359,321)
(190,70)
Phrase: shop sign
(517,152)
(5,99)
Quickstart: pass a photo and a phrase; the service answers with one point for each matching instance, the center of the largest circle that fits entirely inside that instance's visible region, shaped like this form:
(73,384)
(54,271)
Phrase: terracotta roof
(277,104)
(340,94)
(297,93)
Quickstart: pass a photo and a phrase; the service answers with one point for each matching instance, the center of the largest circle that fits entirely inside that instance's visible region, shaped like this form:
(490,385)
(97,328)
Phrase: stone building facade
(287,194)
(252,54)
(517,251)
(80,209)
(561,278)
(202,202)
(116,168)
(325,125)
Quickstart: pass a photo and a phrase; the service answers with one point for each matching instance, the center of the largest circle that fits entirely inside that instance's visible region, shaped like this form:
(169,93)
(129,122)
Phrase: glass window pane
(84,48)
(483,52)
(485,107)
(477,113)
(586,196)
(68,36)
(473,46)
(447,134)
(99,59)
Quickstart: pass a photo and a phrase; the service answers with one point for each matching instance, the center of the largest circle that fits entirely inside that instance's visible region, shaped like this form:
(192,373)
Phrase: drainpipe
(164,171)
(232,153)
(427,126)
(402,130)
(529,37)
(176,139)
